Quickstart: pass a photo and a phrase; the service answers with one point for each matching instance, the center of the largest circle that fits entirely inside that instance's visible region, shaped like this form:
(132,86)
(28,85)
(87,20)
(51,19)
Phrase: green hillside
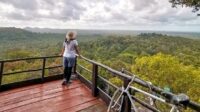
(166,61)
(32,43)
(128,48)
(13,39)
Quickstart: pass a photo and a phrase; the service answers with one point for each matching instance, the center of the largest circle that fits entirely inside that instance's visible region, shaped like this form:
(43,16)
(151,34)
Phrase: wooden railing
(126,77)
(24,82)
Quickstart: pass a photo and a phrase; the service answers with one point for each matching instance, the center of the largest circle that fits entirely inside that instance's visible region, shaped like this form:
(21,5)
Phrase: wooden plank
(29,91)
(15,100)
(48,97)
(29,82)
(32,86)
(42,105)
(44,100)
(65,105)
(81,106)
(46,84)
(84,80)
(26,88)
(95,108)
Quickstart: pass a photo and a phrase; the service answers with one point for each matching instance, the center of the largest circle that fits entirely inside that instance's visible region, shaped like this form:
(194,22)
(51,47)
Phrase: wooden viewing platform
(51,97)
(44,92)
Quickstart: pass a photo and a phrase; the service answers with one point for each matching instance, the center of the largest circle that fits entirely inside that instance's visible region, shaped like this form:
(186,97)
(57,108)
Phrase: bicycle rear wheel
(116,102)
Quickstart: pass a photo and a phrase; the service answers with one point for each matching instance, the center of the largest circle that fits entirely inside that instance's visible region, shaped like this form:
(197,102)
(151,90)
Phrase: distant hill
(12,32)
(81,31)
(194,35)
(28,31)
(16,33)
(41,42)
(12,38)
(12,29)
(113,47)
(45,30)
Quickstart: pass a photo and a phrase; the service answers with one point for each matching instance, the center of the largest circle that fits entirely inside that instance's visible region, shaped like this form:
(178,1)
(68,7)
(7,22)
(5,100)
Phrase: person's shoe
(64,83)
(70,81)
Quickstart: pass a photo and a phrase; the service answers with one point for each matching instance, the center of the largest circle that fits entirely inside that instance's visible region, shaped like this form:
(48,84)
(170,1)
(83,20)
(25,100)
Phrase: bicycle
(116,105)
(121,97)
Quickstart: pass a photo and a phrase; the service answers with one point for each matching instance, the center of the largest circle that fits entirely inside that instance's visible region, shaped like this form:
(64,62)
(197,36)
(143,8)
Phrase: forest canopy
(164,60)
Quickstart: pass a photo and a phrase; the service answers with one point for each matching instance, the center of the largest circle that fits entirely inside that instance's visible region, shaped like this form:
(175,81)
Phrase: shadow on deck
(51,97)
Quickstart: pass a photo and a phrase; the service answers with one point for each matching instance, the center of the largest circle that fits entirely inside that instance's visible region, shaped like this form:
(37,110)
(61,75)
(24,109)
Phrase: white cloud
(110,14)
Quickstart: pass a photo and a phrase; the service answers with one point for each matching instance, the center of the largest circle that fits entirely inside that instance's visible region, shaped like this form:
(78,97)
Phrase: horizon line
(93,29)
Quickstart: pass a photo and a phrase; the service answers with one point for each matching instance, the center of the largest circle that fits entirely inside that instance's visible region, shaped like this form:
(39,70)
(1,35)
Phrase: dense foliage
(167,71)
(166,61)
(127,49)
(18,43)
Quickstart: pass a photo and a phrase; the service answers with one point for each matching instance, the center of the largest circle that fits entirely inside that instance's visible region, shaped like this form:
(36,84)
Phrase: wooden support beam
(94,80)
(43,68)
(1,72)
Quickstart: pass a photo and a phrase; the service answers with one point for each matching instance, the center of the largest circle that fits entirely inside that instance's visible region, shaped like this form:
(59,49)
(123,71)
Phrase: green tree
(18,53)
(166,70)
(195,4)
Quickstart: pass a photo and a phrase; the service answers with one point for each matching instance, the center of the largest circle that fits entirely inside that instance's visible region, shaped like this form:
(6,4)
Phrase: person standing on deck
(69,52)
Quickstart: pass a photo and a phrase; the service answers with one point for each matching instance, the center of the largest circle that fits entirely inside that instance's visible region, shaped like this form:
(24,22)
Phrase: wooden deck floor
(51,97)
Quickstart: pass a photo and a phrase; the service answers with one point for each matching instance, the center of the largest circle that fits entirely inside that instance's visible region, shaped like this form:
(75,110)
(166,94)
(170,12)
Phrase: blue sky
(98,14)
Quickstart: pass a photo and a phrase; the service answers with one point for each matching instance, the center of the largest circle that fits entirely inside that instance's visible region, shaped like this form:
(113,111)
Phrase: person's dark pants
(68,63)
(67,73)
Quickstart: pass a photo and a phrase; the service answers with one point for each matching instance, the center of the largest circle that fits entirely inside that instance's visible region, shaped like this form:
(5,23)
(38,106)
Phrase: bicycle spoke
(118,99)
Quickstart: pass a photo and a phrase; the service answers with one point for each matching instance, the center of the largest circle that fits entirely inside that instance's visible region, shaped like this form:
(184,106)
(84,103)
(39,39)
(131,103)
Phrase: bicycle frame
(126,91)
(123,91)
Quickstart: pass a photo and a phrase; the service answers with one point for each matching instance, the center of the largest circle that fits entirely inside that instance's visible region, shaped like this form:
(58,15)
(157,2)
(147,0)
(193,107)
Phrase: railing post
(43,68)
(94,80)
(126,105)
(1,72)
(74,70)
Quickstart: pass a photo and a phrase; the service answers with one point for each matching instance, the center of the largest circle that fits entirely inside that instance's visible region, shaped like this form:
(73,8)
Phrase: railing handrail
(29,58)
(42,69)
(120,74)
(123,75)
(191,104)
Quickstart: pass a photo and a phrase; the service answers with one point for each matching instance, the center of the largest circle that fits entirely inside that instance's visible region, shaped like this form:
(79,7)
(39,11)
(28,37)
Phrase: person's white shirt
(70,50)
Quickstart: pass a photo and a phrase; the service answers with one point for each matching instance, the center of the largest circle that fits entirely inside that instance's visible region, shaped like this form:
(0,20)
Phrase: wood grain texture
(49,97)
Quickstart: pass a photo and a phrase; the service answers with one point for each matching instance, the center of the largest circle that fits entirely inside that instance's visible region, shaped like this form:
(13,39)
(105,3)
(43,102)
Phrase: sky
(98,14)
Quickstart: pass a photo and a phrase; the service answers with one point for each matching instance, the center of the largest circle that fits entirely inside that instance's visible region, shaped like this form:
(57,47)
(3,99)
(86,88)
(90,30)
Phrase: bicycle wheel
(116,101)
